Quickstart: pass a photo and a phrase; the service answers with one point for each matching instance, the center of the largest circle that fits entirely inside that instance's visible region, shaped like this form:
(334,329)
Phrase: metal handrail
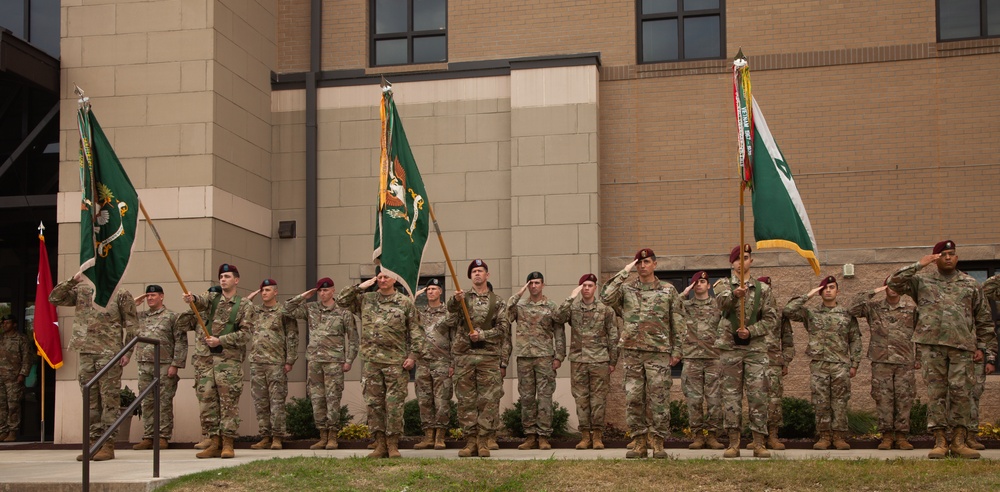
(154,386)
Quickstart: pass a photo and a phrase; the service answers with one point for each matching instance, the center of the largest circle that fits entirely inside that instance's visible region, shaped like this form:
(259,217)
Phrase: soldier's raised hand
(631,266)
(927,260)
(576,291)
(687,290)
(367,283)
(523,288)
(253,294)
(421,291)
(78,277)
(814,292)
(881,289)
(138,300)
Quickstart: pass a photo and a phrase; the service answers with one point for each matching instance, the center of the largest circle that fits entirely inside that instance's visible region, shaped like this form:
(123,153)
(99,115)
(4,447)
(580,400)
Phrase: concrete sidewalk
(58,470)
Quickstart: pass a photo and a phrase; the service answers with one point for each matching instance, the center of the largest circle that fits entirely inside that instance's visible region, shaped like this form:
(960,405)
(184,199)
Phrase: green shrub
(679,416)
(799,418)
(862,422)
(354,432)
(127,397)
(300,422)
(413,425)
(512,420)
(918,418)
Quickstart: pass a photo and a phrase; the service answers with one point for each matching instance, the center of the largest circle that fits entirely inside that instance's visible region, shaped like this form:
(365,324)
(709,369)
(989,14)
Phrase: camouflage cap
(324,283)
(944,246)
(228,268)
(698,276)
(268,282)
(151,288)
(827,281)
(590,277)
(477,263)
(535,276)
(735,253)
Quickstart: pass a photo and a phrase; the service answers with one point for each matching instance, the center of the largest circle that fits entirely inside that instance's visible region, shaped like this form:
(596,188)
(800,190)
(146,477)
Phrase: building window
(968,19)
(35,21)
(672,30)
(409,31)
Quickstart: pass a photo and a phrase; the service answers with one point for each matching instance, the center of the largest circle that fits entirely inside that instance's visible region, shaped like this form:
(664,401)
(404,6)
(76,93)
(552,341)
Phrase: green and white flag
(109,210)
(403,221)
(779,216)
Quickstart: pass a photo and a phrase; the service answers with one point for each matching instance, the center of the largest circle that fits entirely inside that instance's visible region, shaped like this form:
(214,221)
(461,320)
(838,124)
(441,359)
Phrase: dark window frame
(983,24)
(680,15)
(409,35)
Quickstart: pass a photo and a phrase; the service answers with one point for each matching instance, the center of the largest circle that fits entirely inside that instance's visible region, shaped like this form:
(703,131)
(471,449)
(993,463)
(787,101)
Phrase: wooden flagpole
(451,268)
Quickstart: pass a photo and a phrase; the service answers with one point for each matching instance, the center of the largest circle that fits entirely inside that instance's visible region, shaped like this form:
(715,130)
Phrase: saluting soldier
(273,352)
(700,376)
(433,381)
(15,364)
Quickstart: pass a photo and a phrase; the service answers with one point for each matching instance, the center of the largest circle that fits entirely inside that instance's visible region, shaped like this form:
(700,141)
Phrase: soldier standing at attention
(593,355)
(954,331)
(991,290)
(333,346)
(273,350)
(835,353)
(98,336)
(541,348)
(743,351)
(230,320)
(432,382)
(651,343)
(780,352)
(891,321)
(391,342)
(15,364)
(701,372)
(162,324)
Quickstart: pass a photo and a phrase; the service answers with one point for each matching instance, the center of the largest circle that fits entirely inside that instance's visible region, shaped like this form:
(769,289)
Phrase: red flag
(46,323)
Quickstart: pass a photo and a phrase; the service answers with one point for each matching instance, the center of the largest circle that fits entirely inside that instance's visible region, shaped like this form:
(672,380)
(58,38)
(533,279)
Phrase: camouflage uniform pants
(775,390)
(893,389)
(10,404)
(536,381)
(744,371)
(168,388)
(478,387)
(700,382)
(434,390)
(202,371)
(589,384)
(105,396)
(979,380)
(219,391)
(326,387)
(647,392)
(384,389)
(830,383)
(948,374)
(269,389)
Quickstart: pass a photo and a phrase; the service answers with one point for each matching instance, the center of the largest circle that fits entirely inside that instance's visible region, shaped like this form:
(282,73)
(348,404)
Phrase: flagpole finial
(83,101)
(386,85)
(41,229)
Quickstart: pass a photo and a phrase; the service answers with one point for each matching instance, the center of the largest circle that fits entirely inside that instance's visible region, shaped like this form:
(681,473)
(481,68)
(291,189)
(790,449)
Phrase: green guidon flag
(403,221)
(109,210)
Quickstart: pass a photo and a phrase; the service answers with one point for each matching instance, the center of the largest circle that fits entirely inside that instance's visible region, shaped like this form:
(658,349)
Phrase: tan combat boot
(214,449)
(839,442)
(491,441)
(543,442)
(163,443)
(380,451)
(530,442)
(713,442)
(392,446)
(144,444)
(902,443)
(324,435)
(959,448)
(483,443)
(331,439)
(759,449)
(276,443)
(972,442)
(585,440)
(11,436)
(733,451)
(631,444)
(699,440)
(227,448)
(371,445)
(639,450)
(657,442)
(204,443)
(427,442)
(107,452)
(79,457)
(887,439)
(824,441)
(439,439)
(940,449)
(471,447)
(772,439)
(597,438)
(264,443)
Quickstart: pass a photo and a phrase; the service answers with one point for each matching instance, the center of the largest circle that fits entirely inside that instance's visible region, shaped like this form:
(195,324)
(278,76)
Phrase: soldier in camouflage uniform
(702,369)
(221,356)
(432,382)
(780,352)
(835,353)
(541,348)
(98,336)
(651,343)
(391,342)
(954,331)
(743,351)
(273,351)
(162,324)
(479,355)
(15,364)
(593,354)
(333,346)
(991,291)
(891,321)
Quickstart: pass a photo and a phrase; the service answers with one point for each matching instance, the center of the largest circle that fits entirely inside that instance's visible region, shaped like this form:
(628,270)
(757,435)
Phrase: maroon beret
(645,253)
(944,246)
(735,253)
(477,263)
(698,276)
(324,283)
(268,282)
(590,277)
(229,268)
(826,281)
(766,280)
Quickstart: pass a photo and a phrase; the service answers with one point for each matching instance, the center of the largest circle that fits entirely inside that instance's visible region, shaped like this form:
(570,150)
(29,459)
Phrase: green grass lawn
(596,475)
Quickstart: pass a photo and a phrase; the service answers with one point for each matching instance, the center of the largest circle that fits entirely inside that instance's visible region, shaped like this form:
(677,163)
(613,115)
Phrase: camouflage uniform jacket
(951,311)
(494,332)
(15,355)
(891,340)
(96,332)
(275,337)
(437,334)
(163,325)
(834,335)
(701,330)
(593,331)
(538,332)
(390,326)
(781,343)
(234,343)
(761,332)
(653,315)
(333,331)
